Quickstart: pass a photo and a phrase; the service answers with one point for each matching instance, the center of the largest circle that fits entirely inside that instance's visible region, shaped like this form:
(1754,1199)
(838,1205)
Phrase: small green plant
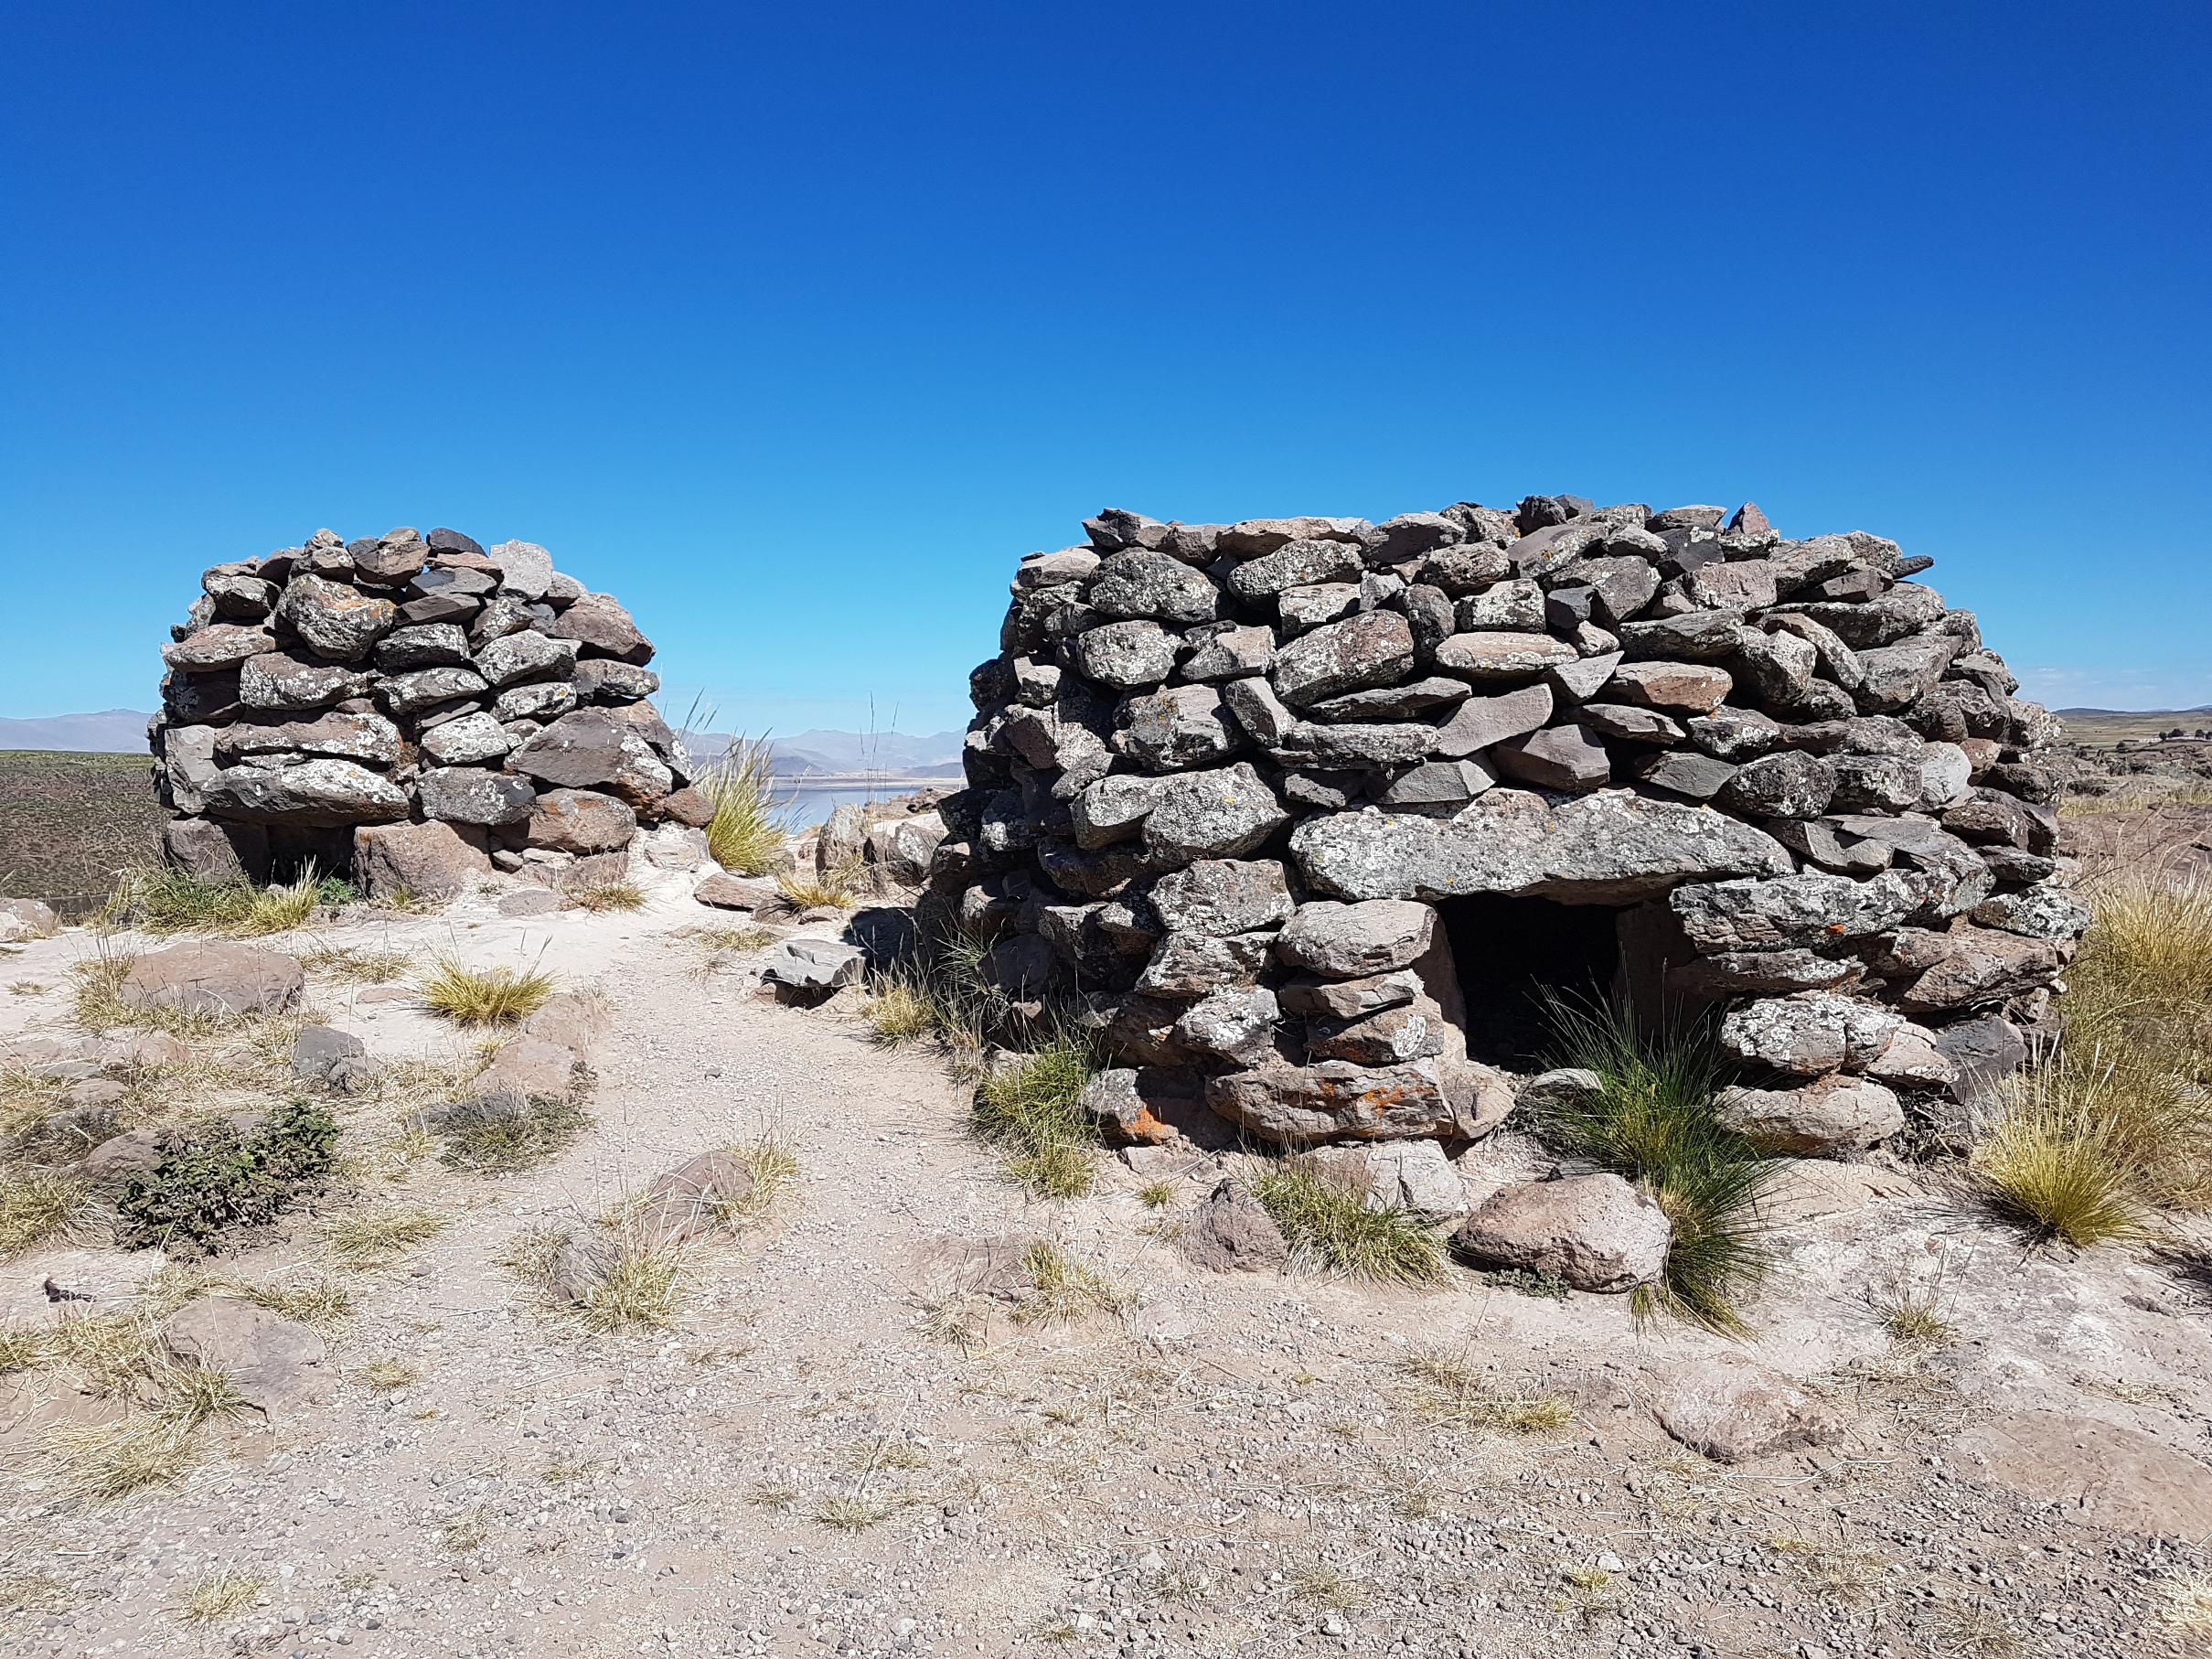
(1028,1107)
(170,901)
(1058,1288)
(222,1595)
(1526,1281)
(1156,1194)
(609,895)
(750,822)
(1652,1121)
(40,1206)
(229,1180)
(484,996)
(498,1134)
(1331,1223)
(901,1010)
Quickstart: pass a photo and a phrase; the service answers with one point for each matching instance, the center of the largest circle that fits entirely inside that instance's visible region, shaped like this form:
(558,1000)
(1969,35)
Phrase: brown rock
(276,1366)
(431,859)
(213,977)
(599,623)
(686,1202)
(1298,1105)
(1734,1409)
(579,820)
(1687,688)
(726,891)
(529,1067)
(688,806)
(1230,1232)
(1595,1232)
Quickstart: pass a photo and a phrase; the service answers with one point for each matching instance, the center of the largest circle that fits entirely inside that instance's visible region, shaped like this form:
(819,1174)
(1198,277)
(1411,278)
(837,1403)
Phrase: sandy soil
(806,1463)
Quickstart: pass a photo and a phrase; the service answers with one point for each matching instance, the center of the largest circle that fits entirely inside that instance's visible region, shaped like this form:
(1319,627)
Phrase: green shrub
(229,1180)
(1652,1121)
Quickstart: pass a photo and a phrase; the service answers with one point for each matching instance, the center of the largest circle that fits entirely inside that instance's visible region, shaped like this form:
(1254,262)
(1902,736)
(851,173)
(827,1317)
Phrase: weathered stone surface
(1178,727)
(1810,1034)
(1694,637)
(368,738)
(1152,585)
(286,679)
(1232,1232)
(2092,1473)
(1983,968)
(1125,655)
(1686,688)
(1410,1175)
(428,861)
(600,681)
(1734,734)
(1221,814)
(1789,784)
(1224,896)
(1187,966)
(600,626)
(1836,1114)
(472,740)
(1438,788)
(1732,1410)
(1296,564)
(902,848)
(319,1050)
(320,793)
(1389,1037)
(1759,973)
(1629,725)
(225,644)
(526,570)
(1392,702)
(1609,848)
(1114,809)
(212,978)
(1503,655)
(726,891)
(1514,607)
(216,852)
(1296,1106)
(469,794)
(1348,999)
(1481,723)
(1558,758)
(337,621)
(1225,650)
(1357,747)
(2043,913)
(815,965)
(597,748)
(1347,941)
(1235,1025)
(1782,911)
(1594,1232)
(276,1367)
(528,655)
(406,694)
(22,919)
(1374,648)
(688,1201)
(428,644)
(1252,537)
(581,821)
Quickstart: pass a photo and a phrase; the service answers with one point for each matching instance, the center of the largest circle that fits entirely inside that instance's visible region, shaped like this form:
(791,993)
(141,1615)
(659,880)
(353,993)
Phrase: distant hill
(109,731)
(845,754)
(2104,726)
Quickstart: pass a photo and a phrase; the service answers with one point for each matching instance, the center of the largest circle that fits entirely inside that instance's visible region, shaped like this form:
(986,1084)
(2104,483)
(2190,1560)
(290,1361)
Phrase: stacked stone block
(407,707)
(1221,774)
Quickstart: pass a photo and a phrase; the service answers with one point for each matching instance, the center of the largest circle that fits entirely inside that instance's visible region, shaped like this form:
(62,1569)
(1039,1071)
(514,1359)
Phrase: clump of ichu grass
(484,996)
(40,1207)
(1329,1221)
(1652,1121)
(1058,1288)
(609,895)
(1027,1104)
(170,901)
(751,821)
(838,887)
(366,1241)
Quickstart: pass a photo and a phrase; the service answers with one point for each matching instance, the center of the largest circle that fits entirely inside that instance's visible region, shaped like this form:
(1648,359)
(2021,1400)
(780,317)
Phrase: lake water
(812,807)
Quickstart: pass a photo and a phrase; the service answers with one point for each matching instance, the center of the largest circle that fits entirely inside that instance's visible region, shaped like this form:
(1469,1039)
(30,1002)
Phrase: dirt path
(824,1455)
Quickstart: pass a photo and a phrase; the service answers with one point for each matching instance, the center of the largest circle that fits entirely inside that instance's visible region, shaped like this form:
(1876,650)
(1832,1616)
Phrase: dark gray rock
(1374,648)
(1558,758)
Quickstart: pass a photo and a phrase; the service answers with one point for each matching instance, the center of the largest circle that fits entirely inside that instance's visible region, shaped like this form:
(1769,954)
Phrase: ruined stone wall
(412,711)
(1220,776)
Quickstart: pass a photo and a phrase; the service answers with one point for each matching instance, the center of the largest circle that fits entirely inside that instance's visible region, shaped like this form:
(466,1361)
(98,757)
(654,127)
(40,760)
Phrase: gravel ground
(829,1453)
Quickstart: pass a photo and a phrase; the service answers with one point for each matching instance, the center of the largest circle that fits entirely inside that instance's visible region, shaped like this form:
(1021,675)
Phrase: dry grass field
(69,822)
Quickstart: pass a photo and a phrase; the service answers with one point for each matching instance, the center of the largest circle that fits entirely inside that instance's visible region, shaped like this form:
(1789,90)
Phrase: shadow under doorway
(1507,952)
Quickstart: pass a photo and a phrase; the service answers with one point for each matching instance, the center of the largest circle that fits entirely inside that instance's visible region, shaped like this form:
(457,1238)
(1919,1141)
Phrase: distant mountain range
(109,731)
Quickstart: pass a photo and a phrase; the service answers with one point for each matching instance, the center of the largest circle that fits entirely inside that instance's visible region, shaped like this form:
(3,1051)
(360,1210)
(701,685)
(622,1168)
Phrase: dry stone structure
(1297,806)
(413,709)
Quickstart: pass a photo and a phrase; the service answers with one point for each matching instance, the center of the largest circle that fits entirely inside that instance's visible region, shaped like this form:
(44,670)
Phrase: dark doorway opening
(1509,952)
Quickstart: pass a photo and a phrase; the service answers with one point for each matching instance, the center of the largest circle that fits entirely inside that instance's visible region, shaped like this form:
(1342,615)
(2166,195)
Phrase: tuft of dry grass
(643,1285)
(838,887)
(368,1241)
(169,901)
(1329,1589)
(355,966)
(900,1010)
(1156,1194)
(1028,1106)
(1452,1390)
(157,1445)
(485,996)
(389,1375)
(609,895)
(2189,1605)
(1328,1222)
(1836,1570)
(773,1164)
(321,1304)
(844,1513)
(1058,1288)
(751,821)
(1914,1310)
(40,1207)
(222,1595)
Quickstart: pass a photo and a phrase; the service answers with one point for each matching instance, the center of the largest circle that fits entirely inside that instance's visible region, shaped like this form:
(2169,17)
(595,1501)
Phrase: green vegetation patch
(230,1180)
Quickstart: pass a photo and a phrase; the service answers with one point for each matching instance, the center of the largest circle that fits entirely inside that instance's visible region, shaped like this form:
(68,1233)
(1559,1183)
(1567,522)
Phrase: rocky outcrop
(339,700)
(1221,779)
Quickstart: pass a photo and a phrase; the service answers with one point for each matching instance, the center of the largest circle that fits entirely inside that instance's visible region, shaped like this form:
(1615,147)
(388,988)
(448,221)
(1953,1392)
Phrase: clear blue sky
(797,326)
